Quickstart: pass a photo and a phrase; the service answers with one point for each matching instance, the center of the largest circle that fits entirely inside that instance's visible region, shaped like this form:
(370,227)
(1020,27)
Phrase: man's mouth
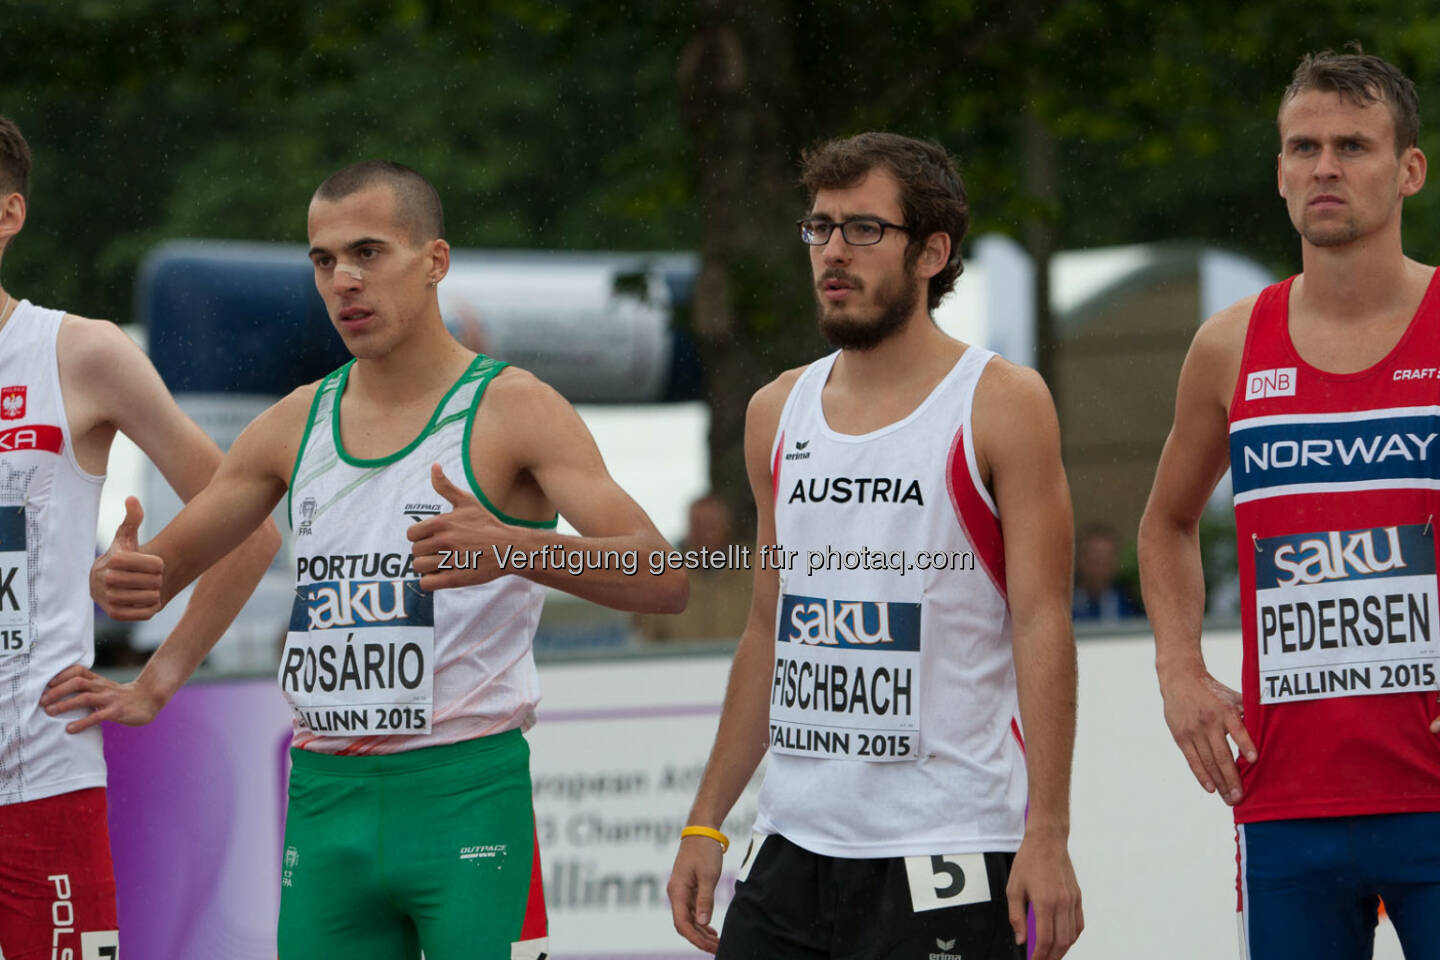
(837,288)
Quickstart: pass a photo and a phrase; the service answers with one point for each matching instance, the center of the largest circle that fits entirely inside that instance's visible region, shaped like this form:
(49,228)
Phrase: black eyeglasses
(858,232)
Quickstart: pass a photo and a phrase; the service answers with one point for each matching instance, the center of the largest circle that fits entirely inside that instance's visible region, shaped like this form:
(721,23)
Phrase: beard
(895,301)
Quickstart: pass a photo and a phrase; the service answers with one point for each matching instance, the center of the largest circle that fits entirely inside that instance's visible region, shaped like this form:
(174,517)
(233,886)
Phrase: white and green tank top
(372,663)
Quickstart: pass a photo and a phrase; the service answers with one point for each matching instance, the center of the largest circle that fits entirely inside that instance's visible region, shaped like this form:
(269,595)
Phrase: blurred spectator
(719,599)
(1099,594)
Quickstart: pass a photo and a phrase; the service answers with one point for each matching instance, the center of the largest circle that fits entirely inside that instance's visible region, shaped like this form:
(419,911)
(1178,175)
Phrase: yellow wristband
(710,832)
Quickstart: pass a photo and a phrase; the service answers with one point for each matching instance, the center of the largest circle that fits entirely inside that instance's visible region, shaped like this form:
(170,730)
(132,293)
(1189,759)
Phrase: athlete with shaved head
(408,661)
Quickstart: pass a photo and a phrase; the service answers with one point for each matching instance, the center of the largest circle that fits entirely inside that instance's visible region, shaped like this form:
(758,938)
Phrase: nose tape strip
(354,272)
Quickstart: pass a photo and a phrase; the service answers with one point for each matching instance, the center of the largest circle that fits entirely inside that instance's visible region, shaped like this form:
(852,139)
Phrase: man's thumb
(445,488)
(127,536)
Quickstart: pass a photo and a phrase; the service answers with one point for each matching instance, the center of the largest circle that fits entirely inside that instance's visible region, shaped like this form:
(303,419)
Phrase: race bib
(359,658)
(1346,613)
(846,681)
(947,880)
(14,583)
(99,945)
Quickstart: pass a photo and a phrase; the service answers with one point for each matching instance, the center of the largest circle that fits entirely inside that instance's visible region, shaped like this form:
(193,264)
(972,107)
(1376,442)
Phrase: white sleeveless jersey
(48,512)
(372,663)
(893,712)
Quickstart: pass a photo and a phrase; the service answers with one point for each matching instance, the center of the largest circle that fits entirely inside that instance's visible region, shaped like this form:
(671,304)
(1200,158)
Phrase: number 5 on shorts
(947,880)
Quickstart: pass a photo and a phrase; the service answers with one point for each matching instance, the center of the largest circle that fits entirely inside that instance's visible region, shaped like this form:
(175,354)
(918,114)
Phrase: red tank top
(1335,479)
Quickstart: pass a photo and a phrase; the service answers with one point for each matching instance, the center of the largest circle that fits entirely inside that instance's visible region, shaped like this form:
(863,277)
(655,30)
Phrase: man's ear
(12,217)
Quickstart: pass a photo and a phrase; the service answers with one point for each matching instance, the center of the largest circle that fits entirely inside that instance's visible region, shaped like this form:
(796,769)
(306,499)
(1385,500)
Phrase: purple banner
(197,810)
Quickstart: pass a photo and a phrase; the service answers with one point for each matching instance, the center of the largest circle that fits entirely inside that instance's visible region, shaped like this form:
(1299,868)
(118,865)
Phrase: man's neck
(430,359)
(1357,280)
(8,304)
(915,350)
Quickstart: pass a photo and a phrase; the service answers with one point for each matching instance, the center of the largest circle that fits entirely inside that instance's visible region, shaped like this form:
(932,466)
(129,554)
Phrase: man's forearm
(1046,679)
(219,595)
(623,572)
(740,741)
(1173,583)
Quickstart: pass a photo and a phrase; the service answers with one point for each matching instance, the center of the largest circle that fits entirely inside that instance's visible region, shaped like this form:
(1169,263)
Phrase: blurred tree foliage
(649,124)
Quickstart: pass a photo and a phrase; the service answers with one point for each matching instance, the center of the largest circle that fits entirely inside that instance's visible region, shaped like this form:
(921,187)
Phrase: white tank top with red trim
(48,511)
(893,713)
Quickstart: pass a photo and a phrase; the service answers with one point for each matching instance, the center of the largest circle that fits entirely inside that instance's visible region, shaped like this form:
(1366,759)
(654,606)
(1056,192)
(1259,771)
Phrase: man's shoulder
(515,394)
(1227,326)
(770,399)
(1216,351)
(514,383)
(83,342)
(287,419)
(1003,382)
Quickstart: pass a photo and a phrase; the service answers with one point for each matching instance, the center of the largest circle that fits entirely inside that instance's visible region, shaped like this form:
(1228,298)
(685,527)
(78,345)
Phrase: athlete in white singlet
(417,468)
(67,384)
(898,644)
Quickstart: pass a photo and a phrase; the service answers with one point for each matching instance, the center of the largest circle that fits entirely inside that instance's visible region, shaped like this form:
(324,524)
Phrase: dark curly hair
(932,195)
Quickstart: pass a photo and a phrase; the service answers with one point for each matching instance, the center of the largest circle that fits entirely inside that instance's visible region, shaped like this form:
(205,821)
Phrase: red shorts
(57,884)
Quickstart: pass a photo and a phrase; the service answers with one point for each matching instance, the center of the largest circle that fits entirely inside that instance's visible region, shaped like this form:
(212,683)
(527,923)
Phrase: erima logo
(945,946)
(1279,382)
(859,489)
(799,445)
(1282,454)
(419,511)
(1337,556)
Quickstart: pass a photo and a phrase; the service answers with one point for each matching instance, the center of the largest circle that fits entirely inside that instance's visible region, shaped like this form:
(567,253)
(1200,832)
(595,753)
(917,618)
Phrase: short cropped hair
(1361,79)
(932,194)
(417,203)
(14,160)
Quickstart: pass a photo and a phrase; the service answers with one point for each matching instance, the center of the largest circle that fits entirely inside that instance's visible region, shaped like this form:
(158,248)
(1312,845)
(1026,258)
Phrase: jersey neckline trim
(409,448)
(1432,290)
(960,365)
